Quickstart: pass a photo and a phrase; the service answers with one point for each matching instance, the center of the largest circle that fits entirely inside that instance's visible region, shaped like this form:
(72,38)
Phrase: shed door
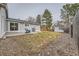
(33,29)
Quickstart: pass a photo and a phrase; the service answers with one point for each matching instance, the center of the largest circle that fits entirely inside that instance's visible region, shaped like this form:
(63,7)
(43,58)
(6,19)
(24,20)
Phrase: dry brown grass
(35,41)
(28,44)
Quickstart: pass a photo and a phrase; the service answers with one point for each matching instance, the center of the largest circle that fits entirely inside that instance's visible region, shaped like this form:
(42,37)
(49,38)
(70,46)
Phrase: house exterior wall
(21,27)
(36,27)
(57,29)
(2,22)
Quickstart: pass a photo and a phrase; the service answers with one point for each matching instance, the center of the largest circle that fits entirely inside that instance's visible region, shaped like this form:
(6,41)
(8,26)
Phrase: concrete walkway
(8,34)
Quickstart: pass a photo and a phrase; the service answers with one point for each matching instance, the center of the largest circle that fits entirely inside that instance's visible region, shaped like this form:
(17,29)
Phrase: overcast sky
(24,10)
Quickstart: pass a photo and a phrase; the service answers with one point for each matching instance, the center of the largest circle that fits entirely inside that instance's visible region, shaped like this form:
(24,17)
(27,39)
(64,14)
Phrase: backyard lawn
(30,43)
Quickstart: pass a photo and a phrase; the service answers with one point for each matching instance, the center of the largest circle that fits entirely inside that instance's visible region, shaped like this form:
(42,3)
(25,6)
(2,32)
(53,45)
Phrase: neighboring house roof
(34,23)
(15,20)
(31,23)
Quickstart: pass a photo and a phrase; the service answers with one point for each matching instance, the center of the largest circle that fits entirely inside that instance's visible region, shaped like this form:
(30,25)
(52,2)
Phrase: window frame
(15,28)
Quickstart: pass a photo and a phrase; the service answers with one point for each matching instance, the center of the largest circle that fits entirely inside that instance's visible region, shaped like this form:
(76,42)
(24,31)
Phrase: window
(13,26)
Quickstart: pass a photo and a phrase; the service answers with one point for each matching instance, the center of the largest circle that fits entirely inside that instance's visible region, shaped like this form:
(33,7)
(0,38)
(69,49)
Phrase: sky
(24,10)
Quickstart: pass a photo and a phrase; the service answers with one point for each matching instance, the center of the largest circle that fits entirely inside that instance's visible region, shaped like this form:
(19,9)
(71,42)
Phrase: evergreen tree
(38,19)
(48,18)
